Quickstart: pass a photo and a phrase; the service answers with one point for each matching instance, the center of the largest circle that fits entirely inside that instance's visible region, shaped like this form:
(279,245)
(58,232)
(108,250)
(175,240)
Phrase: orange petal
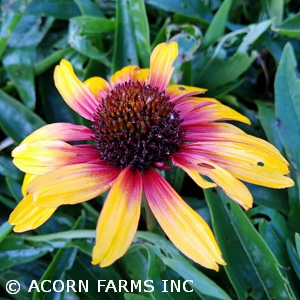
(185,228)
(119,218)
(125,74)
(27,216)
(161,64)
(60,131)
(213,112)
(76,94)
(177,92)
(44,156)
(72,184)
(98,86)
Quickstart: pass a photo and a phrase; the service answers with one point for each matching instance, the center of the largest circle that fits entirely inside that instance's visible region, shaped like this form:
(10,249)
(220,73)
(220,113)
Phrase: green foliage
(246,53)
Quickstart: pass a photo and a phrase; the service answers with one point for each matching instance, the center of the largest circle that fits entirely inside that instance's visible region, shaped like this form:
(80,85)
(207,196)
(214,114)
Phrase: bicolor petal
(213,112)
(72,184)
(27,216)
(76,94)
(65,132)
(161,64)
(231,186)
(44,156)
(119,218)
(193,174)
(246,161)
(185,228)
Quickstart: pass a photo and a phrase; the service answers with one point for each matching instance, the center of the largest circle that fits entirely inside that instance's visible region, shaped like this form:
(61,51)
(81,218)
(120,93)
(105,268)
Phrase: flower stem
(150,220)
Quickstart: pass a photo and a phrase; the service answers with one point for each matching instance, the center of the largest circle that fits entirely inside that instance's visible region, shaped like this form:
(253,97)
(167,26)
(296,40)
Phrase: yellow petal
(44,156)
(60,131)
(141,75)
(27,216)
(177,92)
(98,86)
(76,94)
(185,228)
(72,184)
(27,179)
(125,74)
(161,64)
(119,218)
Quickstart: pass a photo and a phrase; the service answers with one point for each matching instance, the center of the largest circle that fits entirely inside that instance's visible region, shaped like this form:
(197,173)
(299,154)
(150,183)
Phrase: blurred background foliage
(245,52)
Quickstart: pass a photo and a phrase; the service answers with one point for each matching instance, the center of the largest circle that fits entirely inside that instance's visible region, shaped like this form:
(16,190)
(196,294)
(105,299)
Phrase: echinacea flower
(141,125)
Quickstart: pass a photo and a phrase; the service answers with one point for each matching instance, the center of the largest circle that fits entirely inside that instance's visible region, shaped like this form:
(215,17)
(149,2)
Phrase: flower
(141,125)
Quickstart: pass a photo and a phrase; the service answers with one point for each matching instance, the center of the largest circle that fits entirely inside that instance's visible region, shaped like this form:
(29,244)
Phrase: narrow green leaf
(141,30)
(5,229)
(218,24)
(18,120)
(125,51)
(294,257)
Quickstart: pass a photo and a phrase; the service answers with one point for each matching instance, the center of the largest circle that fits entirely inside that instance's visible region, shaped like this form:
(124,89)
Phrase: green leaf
(18,120)
(189,8)
(266,115)
(141,30)
(241,245)
(9,23)
(287,111)
(290,27)
(274,9)
(218,24)
(13,251)
(61,262)
(218,72)
(84,36)
(170,257)
(8,169)
(125,52)
(89,8)
(19,65)
(60,9)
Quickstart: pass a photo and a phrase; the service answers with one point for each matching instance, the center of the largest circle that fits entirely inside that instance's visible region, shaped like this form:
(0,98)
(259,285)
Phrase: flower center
(136,125)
